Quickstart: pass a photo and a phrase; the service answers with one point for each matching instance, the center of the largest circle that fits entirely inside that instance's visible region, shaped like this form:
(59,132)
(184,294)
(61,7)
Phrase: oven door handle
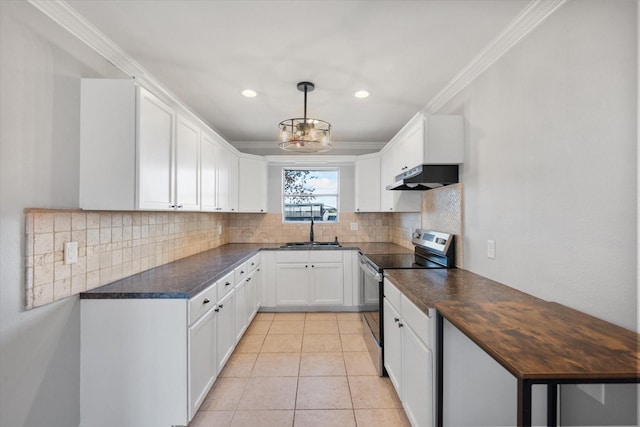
(368,269)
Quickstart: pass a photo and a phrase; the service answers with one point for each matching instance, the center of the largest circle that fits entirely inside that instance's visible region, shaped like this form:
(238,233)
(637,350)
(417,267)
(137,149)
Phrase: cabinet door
(252,185)
(209,154)
(187,164)
(326,283)
(292,284)
(155,153)
(417,379)
(227,181)
(202,360)
(413,146)
(368,184)
(393,345)
(252,294)
(226,336)
(240,309)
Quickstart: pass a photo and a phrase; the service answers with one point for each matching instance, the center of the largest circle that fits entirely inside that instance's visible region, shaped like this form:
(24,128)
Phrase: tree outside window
(310,193)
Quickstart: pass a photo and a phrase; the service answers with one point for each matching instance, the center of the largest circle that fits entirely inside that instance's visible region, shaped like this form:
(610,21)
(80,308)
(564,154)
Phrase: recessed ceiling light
(249,93)
(362,94)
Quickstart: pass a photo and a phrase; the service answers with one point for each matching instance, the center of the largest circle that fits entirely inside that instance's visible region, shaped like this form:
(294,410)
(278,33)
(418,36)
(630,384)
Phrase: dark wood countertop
(426,288)
(535,339)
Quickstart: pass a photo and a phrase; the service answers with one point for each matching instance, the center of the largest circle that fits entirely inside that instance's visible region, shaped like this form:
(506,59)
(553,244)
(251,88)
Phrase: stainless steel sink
(311,245)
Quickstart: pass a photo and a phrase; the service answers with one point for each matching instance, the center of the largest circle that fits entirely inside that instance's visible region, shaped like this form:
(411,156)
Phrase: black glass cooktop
(400,261)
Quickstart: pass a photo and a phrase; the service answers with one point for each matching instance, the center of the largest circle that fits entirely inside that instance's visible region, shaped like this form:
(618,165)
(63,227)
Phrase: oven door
(370,300)
(370,285)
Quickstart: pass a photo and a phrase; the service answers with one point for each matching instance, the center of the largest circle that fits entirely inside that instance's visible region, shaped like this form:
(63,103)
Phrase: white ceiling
(207,52)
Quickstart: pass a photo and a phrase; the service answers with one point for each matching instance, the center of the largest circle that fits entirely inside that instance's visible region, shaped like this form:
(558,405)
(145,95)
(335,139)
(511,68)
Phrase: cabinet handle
(221,305)
(248,279)
(217,309)
(257,269)
(261,210)
(179,206)
(395,319)
(400,325)
(252,264)
(241,271)
(172,206)
(357,210)
(206,301)
(227,284)
(312,265)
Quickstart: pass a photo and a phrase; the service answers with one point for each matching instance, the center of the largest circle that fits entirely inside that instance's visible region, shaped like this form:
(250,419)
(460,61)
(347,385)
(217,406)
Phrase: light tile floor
(302,370)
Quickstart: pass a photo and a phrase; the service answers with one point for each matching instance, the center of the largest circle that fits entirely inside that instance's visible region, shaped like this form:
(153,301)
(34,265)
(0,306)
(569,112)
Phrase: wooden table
(542,342)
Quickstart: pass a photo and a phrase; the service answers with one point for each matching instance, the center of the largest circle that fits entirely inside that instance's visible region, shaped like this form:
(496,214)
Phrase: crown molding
(344,145)
(530,17)
(310,160)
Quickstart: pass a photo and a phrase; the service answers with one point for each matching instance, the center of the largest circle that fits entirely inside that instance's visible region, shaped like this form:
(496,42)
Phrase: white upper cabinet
(252,184)
(428,140)
(135,151)
(155,153)
(219,175)
(368,183)
(187,165)
(209,155)
(227,181)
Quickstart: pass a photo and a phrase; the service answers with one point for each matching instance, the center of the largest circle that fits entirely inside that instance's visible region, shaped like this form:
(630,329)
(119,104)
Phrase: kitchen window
(310,193)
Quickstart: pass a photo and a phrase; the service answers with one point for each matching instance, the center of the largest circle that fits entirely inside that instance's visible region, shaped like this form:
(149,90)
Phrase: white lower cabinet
(152,362)
(292,283)
(310,278)
(408,352)
(240,310)
(226,328)
(203,368)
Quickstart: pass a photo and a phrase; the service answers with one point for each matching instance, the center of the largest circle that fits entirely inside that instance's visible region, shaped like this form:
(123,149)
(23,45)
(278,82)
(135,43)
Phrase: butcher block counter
(537,341)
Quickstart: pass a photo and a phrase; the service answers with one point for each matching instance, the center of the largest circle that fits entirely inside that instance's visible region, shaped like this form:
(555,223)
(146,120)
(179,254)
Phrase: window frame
(311,169)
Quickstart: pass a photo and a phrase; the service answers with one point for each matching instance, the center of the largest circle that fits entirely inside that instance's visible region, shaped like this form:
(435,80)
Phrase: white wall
(40,68)
(550,168)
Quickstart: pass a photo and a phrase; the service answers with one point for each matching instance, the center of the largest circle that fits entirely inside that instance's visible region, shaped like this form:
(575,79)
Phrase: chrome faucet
(311,231)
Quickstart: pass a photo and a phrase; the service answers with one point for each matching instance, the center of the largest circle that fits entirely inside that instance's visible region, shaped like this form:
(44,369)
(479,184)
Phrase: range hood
(426,177)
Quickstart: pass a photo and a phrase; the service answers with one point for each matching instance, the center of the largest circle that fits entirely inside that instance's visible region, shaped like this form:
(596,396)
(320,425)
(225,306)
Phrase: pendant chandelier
(305,135)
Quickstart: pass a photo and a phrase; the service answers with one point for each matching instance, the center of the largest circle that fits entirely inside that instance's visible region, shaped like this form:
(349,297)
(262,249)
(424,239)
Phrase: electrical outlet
(491,249)
(219,230)
(354,226)
(71,253)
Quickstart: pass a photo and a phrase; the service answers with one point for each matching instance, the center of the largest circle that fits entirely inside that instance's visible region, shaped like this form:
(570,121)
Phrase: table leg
(552,405)
(524,403)
(439,369)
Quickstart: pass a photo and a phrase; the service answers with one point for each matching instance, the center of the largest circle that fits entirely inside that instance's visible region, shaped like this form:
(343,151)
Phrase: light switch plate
(71,252)
(491,249)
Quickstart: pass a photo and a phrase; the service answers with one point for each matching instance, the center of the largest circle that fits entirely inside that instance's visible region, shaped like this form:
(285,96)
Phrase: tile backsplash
(111,245)
(264,228)
(114,245)
(442,211)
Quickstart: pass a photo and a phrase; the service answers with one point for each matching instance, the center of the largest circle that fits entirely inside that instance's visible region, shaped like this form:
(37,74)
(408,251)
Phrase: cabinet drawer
(422,324)
(240,272)
(325,256)
(253,263)
(392,294)
(203,302)
(225,285)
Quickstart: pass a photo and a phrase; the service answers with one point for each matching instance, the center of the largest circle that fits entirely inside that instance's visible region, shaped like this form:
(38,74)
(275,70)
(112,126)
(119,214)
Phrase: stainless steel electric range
(433,249)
